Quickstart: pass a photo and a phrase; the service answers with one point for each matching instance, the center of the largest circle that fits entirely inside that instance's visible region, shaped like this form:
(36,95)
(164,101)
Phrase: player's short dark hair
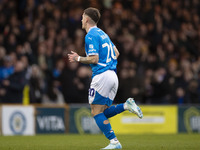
(93,13)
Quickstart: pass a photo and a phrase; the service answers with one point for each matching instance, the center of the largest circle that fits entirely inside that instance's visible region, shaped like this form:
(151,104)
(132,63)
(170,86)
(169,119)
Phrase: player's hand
(73,56)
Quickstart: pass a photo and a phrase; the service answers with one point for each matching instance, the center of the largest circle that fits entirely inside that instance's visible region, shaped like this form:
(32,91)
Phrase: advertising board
(18,120)
(81,120)
(50,120)
(189,119)
(157,119)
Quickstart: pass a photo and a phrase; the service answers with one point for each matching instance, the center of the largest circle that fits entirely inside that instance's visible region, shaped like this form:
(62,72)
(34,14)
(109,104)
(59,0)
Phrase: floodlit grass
(95,142)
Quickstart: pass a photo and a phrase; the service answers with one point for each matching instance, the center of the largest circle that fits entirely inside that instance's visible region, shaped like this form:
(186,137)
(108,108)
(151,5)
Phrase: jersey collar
(92,28)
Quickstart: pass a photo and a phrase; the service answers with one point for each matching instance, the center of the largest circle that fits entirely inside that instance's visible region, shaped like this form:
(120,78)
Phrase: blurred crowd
(158,41)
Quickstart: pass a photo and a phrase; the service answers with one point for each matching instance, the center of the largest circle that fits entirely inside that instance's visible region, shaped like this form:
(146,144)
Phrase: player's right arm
(91,59)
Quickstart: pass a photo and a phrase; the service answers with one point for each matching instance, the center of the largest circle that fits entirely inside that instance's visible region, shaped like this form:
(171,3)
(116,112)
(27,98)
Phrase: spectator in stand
(12,87)
(180,96)
(36,84)
(59,66)
(2,55)
(68,83)
(160,87)
(7,69)
(82,82)
(53,95)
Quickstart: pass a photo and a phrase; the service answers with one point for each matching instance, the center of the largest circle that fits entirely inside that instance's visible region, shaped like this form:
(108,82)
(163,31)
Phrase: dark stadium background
(158,41)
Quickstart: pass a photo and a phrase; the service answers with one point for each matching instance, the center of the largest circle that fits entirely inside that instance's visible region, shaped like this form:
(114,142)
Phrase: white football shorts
(103,88)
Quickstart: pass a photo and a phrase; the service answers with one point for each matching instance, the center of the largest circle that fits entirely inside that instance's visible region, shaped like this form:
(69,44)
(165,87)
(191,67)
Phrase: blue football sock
(114,110)
(104,126)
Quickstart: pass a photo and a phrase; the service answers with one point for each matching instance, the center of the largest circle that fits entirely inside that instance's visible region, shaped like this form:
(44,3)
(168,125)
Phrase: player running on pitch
(102,56)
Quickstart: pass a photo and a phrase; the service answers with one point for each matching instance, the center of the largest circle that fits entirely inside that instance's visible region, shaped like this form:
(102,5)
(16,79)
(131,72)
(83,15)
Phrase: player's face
(83,21)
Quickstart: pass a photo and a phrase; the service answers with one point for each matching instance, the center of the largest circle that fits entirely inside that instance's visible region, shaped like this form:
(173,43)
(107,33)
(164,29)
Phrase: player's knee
(97,109)
(94,113)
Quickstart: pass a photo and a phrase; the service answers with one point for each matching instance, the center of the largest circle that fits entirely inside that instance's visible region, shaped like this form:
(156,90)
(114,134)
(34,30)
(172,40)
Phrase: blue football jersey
(97,42)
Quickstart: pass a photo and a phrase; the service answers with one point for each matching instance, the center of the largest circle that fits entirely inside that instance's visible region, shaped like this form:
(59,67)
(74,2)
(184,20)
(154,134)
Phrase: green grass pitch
(95,142)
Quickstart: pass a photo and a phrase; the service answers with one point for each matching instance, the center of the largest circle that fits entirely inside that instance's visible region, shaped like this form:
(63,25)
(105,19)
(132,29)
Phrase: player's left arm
(91,59)
(116,51)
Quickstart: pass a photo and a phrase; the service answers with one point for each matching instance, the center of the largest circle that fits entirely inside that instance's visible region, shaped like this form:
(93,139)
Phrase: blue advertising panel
(189,119)
(50,120)
(81,121)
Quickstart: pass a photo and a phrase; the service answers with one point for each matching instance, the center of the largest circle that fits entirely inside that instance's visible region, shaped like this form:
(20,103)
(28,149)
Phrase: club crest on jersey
(91,46)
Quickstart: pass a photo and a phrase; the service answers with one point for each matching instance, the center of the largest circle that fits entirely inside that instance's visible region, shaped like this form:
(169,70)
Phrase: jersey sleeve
(91,45)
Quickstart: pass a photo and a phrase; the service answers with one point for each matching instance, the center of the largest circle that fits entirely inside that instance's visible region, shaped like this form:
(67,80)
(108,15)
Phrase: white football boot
(133,108)
(113,146)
